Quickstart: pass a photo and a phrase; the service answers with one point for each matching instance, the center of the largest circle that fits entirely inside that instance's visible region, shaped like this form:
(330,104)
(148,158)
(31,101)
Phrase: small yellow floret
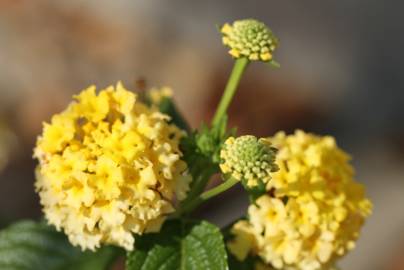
(243,241)
(314,210)
(109,166)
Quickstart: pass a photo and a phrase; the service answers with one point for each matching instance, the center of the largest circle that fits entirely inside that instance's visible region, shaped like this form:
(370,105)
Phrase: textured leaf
(28,245)
(180,246)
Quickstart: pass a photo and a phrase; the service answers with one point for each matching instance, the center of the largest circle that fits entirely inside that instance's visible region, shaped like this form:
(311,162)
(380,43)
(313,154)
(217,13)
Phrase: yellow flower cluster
(109,166)
(249,38)
(313,211)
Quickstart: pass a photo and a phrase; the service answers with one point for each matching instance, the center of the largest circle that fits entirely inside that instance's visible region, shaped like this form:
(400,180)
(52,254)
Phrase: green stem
(238,69)
(219,189)
(207,195)
(200,181)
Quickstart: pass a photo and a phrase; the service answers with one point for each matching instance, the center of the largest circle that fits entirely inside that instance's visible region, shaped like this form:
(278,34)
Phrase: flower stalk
(239,67)
(189,207)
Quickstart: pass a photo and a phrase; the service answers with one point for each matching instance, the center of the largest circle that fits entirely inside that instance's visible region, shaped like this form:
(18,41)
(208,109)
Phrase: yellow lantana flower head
(249,38)
(109,167)
(313,211)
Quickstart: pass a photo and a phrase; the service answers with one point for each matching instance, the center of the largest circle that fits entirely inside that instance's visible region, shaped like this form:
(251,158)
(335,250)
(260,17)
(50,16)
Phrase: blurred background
(341,73)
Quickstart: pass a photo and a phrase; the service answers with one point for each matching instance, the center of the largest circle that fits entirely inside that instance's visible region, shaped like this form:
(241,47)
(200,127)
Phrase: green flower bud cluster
(248,159)
(249,38)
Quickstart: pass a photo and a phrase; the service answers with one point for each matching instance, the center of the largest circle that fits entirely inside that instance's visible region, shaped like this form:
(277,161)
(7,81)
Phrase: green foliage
(167,106)
(202,153)
(247,264)
(180,245)
(206,143)
(28,245)
(202,148)
(273,64)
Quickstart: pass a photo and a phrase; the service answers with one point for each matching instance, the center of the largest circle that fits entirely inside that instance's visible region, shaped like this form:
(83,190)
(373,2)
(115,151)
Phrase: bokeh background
(341,73)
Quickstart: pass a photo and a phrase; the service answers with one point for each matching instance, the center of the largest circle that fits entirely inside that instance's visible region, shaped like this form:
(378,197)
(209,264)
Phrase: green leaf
(205,143)
(273,64)
(167,106)
(29,245)
(101,259)
(180,246)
